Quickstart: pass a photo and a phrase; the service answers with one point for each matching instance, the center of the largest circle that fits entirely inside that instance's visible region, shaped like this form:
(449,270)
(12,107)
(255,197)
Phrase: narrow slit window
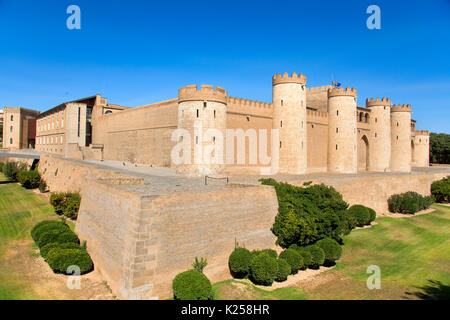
(197,113)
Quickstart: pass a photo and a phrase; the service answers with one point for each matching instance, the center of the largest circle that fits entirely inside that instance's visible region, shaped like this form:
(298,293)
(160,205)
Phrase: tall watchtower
(421,151)
(342,136)
(203,114)
(289,117)
(380,139)
(401,138)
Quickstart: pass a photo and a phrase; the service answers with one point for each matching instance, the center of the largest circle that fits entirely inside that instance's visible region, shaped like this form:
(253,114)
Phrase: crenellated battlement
(285,78)
(205,93)
(336,92)
(316,114)
(378,102)
(251,107)
(401,108)
(422,133)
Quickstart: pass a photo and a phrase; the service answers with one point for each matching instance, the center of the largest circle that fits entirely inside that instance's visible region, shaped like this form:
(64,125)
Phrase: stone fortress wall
(321,129)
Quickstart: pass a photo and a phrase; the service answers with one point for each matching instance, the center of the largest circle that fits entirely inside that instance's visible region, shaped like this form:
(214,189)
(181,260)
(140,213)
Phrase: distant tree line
(440,148)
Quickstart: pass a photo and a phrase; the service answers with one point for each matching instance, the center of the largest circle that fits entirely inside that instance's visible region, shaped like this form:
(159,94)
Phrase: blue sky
(139,52)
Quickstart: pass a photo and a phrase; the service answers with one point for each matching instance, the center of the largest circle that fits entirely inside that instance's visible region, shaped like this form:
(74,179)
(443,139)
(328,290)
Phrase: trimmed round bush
(263,269)
(239,262)
(48,237)
(361,214)
(373,214)
(271,253)
(49,246)
(45,226)
(192,285)
(284,270)
(293,258)
(46,248)
(332,250)
(317,256)
(29,179)
(61,259)
(307,257)
(67,236)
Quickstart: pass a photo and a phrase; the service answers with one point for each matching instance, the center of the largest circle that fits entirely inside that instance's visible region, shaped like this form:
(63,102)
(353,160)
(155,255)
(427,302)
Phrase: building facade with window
(66,129)
(19,128)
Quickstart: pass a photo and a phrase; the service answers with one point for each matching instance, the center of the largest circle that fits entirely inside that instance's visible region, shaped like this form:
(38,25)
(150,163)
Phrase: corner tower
(380,139)
(421,150)
(202,113)
(289,117)
(401,138)
(342,136)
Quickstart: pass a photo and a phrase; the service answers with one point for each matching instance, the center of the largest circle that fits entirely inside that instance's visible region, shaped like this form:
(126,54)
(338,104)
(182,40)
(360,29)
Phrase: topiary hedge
(361,214)
(372,213)
(66,203)
(331,249)
(11,169)
(284,270)
(307,257)
(192,285)
(60,260)
(239,262)
(409,202)
(263,269)
(29,179)
(293,258)
(441,190)
(60,247)
(317,256)
(45,226)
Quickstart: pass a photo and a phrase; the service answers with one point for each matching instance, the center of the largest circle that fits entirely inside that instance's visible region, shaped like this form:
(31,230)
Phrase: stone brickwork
(140,242)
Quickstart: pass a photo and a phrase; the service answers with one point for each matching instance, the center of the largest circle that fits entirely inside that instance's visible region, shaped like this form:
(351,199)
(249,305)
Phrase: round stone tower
(401,138)
(421,149)
(203,114)
(289,117)
(342,136)
(380,136)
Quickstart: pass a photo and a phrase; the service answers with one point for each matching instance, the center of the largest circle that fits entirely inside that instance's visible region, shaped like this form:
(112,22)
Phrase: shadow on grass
(434,290)
(5,182)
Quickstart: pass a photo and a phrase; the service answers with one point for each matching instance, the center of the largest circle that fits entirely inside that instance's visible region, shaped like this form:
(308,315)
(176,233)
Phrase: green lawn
(20,209)
(413,255)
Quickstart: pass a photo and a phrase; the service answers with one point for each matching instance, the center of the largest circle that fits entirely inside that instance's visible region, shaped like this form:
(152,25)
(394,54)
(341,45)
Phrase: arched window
(10,140)
(12,118)
(360,117)
(11,129)
(366,117)
(108,112)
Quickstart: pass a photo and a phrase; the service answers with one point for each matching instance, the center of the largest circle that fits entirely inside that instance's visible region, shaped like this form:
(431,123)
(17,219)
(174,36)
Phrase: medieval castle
(320,129)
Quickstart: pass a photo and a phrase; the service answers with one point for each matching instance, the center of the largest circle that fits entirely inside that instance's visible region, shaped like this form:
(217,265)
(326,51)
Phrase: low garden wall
(374,191)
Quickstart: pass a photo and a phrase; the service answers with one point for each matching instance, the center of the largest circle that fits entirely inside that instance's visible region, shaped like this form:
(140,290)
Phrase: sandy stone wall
(141,135)
(62,175)
(139,243)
